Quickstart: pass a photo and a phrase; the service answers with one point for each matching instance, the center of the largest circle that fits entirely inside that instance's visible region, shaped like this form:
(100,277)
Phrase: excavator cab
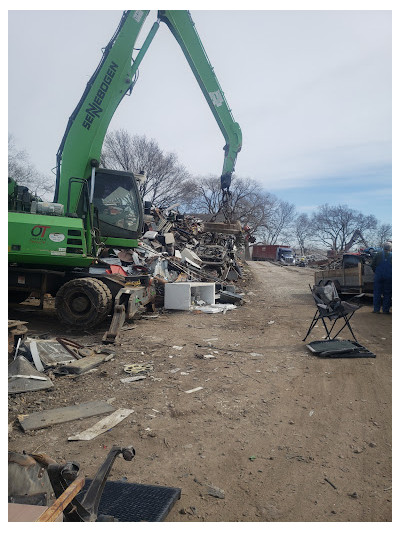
(117,205)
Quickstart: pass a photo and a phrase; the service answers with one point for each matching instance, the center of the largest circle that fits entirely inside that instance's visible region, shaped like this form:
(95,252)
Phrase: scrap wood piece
(212,490)
(223,227)
(131,379)
(193,390)
(52,513)
(103,425)
(43,419)
(85,364)
(16,330)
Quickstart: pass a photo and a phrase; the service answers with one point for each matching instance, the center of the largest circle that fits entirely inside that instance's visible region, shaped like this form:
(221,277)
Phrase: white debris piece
(131,379)
(150,235)
(213,308)
(193,390)
(103,425)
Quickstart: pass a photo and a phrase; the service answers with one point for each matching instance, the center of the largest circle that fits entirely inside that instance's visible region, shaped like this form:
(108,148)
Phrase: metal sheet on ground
(23,377)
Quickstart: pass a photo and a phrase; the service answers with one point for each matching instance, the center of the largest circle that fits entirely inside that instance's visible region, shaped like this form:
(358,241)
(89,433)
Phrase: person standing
(382,267)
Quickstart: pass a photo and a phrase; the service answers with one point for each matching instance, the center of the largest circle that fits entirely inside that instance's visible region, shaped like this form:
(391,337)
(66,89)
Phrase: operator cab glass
(117,202)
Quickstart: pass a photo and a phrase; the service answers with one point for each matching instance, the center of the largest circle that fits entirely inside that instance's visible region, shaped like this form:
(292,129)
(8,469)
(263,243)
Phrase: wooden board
(85,364)
(43,419)
(103,425)
(55,511)
(222,227)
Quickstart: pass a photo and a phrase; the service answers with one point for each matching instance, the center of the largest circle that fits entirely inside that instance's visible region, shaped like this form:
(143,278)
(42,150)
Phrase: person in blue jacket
(382,267)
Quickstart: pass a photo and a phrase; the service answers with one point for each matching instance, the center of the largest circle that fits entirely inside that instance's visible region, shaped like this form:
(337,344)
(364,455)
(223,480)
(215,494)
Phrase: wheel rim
(79,303)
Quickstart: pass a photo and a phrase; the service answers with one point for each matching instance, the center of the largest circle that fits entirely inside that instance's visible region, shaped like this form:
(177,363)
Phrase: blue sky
(311,90)
(368,191)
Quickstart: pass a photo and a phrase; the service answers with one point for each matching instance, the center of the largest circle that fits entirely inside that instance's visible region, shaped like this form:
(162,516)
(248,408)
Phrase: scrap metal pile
(179,247)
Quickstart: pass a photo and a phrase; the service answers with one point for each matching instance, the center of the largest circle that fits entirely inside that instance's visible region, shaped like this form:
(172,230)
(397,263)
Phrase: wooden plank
(43,419)
(85,364)
(103,425)
(54,511)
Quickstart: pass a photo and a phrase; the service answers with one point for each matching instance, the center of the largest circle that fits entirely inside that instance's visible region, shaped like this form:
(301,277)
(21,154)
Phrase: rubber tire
(93,292)
(17,297)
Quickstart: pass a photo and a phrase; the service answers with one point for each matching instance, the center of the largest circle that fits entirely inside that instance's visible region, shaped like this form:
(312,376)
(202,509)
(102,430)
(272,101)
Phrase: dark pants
(382,285)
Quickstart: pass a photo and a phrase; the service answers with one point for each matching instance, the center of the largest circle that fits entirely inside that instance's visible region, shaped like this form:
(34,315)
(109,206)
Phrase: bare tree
(384,233)
(206,196)
(303,231)
(280,220)
(249,203)
(166,179)
(21,170)
(380,235)
(335,225)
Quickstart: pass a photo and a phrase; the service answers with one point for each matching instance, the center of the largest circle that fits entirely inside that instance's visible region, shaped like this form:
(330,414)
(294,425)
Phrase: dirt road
(285,435)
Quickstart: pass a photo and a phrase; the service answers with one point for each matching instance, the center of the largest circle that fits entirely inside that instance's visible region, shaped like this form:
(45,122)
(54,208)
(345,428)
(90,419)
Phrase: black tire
(83,302)
(17,297)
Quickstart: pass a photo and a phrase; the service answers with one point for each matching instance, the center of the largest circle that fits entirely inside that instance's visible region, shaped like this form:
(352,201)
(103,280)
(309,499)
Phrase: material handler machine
(56,247)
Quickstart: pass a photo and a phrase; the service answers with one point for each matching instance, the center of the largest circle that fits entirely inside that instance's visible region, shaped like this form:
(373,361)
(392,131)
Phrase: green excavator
(54,247)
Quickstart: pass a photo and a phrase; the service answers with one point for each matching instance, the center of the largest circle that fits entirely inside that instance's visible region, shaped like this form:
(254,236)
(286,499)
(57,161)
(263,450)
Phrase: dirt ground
(287,436)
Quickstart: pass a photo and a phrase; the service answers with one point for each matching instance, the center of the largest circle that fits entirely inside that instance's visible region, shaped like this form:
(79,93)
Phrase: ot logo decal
(39,231)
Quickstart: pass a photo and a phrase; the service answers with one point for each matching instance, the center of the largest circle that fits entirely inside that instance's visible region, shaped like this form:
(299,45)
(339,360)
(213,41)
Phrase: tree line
(269,219)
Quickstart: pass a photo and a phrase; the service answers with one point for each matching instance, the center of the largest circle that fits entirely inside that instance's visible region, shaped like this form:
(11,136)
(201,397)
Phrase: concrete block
(180,296)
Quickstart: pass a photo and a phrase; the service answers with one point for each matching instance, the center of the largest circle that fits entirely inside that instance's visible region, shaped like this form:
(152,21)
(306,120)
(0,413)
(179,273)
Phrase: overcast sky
(311,91)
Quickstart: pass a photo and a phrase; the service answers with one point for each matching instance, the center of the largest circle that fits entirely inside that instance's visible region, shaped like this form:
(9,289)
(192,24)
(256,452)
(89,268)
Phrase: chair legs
(314,322)
(328,332)
(346,323)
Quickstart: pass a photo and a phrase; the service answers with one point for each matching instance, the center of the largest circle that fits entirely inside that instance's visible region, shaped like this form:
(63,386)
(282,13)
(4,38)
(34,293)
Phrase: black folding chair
(330,306)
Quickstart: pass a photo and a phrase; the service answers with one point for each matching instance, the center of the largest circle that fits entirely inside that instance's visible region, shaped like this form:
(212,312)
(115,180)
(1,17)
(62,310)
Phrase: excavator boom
(183,29)
(83,139)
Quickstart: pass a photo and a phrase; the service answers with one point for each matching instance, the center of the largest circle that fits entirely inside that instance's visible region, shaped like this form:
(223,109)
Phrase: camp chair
(330,306)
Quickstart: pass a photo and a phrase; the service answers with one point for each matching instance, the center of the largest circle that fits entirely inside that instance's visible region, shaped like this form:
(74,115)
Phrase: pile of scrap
(38,361)
(179,248)
(17,331)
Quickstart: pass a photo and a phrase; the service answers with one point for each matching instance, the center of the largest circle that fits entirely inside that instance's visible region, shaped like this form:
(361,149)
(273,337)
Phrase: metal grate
(339,348)
(131,502)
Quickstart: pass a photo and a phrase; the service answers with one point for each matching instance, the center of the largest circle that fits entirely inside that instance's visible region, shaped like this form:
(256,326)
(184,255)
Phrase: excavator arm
(183,29)
(83,139)
(357,237)
(80,149)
